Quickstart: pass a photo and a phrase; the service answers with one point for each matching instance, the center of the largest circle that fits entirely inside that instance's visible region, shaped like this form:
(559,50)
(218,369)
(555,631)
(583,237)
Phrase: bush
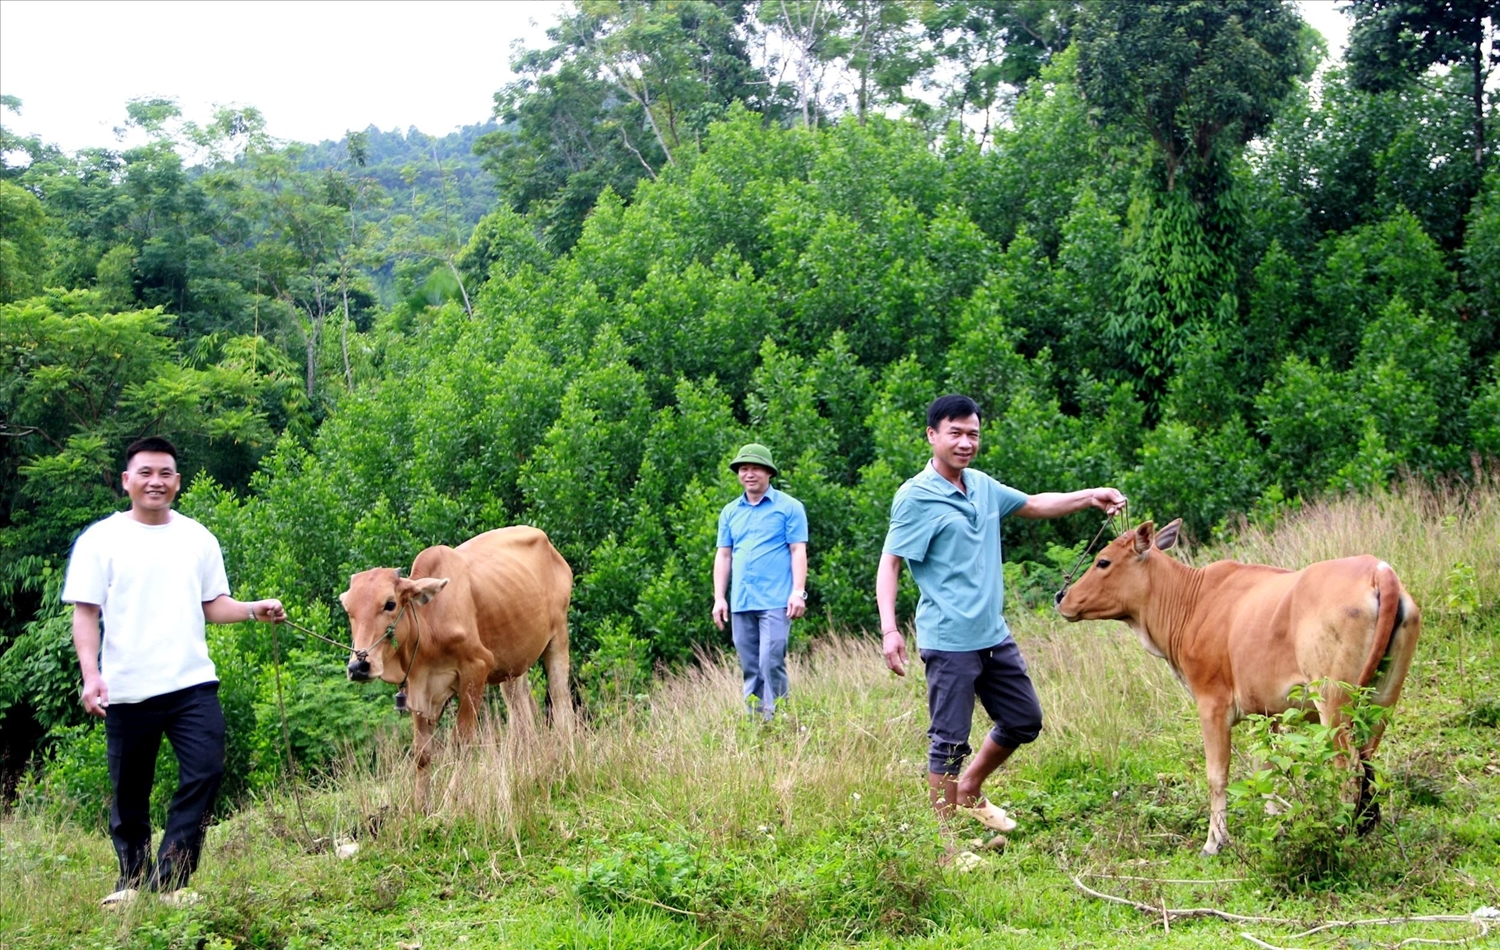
(616,671)
(325,714)
(1199,477)
(1308,837)
(775,892)
(75,783)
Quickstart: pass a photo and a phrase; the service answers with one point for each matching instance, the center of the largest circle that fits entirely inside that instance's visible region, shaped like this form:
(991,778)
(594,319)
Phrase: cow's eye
(1103,563)
(390,605)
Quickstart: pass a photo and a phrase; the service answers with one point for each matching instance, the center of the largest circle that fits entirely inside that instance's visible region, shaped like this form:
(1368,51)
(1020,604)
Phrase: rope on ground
(1169,913)
(1475,919)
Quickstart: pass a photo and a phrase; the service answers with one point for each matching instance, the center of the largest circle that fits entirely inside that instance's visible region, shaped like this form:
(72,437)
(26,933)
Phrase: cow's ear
(426,588)
(1143,536)
(344,599)
(1167,537)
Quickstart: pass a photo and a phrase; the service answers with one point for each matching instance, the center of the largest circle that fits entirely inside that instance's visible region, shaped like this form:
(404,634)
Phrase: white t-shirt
(152,582)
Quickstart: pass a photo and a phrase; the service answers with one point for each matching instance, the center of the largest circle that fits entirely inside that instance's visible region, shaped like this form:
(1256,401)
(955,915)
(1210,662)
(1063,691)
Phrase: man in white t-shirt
(154,576)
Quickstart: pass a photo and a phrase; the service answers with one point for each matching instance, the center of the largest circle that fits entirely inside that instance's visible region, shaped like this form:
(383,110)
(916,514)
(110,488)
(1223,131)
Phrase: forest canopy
(1158,244)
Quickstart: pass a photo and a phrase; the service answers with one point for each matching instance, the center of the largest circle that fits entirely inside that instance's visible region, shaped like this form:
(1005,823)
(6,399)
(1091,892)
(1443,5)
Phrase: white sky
(314,69)
(1324,16)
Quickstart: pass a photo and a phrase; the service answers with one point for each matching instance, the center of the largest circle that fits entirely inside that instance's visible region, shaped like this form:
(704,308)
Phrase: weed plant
(669,818)
(1300,808)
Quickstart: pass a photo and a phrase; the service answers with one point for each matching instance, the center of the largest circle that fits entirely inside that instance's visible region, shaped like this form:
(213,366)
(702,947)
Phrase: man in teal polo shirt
(945,524)
(763,545)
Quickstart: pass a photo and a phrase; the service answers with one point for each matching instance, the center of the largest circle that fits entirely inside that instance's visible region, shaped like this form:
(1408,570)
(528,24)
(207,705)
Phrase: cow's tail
(1387,617)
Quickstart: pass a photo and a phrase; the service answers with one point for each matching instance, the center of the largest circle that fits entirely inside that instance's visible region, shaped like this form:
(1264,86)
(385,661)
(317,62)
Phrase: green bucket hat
(753,453)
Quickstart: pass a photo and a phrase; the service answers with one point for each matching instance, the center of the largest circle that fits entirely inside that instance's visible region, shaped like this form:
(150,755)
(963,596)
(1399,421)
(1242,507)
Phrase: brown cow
(1241,636)
(482,612)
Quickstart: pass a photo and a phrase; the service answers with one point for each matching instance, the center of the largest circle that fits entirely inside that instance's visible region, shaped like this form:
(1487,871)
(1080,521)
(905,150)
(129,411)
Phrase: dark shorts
(997,676)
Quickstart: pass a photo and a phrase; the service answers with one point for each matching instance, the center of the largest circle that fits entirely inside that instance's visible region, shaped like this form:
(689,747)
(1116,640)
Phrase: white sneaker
(119,898)
(182,897)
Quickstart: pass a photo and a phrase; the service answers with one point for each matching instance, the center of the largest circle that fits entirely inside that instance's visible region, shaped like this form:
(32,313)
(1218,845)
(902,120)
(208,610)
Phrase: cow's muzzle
(359,669)
(1057,598)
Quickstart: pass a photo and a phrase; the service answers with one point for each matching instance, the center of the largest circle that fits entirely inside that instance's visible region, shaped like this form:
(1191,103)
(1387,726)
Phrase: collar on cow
(416,645)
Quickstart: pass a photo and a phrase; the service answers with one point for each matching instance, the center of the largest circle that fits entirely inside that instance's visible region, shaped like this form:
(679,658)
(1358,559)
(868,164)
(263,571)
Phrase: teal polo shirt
(758,537)
(950,540)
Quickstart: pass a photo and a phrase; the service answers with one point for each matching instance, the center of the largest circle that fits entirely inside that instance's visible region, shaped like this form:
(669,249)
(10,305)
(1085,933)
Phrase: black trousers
(193,722)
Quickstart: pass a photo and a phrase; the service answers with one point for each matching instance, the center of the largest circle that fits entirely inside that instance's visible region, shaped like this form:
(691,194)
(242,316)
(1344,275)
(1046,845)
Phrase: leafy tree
(1366,267)
(22,242)
(573,120)
(883,52)
(1352,157)
(810,32)
(1484,415)
(13,146)
(1481,257)
(1197,81)
(1393,42)
(994,44)
(1051,155)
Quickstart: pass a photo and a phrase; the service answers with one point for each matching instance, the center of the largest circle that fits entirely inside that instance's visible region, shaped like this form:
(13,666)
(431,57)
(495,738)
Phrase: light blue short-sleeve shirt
(758,537)
(950,540)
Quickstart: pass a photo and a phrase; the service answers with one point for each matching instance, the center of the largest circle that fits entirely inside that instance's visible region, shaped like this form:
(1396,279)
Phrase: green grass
(674,821)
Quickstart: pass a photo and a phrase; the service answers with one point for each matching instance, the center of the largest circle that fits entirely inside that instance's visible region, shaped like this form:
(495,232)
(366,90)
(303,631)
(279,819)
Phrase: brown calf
(1241,636)
(482,612)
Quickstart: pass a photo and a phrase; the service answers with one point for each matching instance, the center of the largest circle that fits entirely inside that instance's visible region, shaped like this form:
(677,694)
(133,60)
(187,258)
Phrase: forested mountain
(414,162)
(1155,246)
(413,170)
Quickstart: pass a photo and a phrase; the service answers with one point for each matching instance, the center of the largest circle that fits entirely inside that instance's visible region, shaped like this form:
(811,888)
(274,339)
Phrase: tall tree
(883,52)
(1196,81)
(1200,79)
(22,242)
(1395,41)
(809,30)
(624,86)
(993,44)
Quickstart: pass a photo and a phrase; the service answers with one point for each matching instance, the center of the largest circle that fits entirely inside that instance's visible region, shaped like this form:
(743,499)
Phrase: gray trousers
(760,638)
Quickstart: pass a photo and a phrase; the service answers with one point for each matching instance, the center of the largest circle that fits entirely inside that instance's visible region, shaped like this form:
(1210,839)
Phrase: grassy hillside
(671,820)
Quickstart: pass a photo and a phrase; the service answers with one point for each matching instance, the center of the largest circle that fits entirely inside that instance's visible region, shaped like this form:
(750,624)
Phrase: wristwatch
(800,594)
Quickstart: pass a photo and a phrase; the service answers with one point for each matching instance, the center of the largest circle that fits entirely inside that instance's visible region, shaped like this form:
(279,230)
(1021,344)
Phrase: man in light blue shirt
(763,547)
(945,524)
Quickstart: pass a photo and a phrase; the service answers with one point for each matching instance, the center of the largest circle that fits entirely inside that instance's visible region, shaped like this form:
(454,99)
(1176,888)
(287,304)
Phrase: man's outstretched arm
(1058,504)
(225,609)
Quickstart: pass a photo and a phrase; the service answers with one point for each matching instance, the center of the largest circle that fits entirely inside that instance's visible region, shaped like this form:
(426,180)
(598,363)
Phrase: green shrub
(769,891)
(75,786)
(325,714)
(1201,477)
(1300,825)
(616,670)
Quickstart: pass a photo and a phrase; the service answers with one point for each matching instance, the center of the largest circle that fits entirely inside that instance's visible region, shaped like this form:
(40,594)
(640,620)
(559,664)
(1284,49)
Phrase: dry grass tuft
(1420,529)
